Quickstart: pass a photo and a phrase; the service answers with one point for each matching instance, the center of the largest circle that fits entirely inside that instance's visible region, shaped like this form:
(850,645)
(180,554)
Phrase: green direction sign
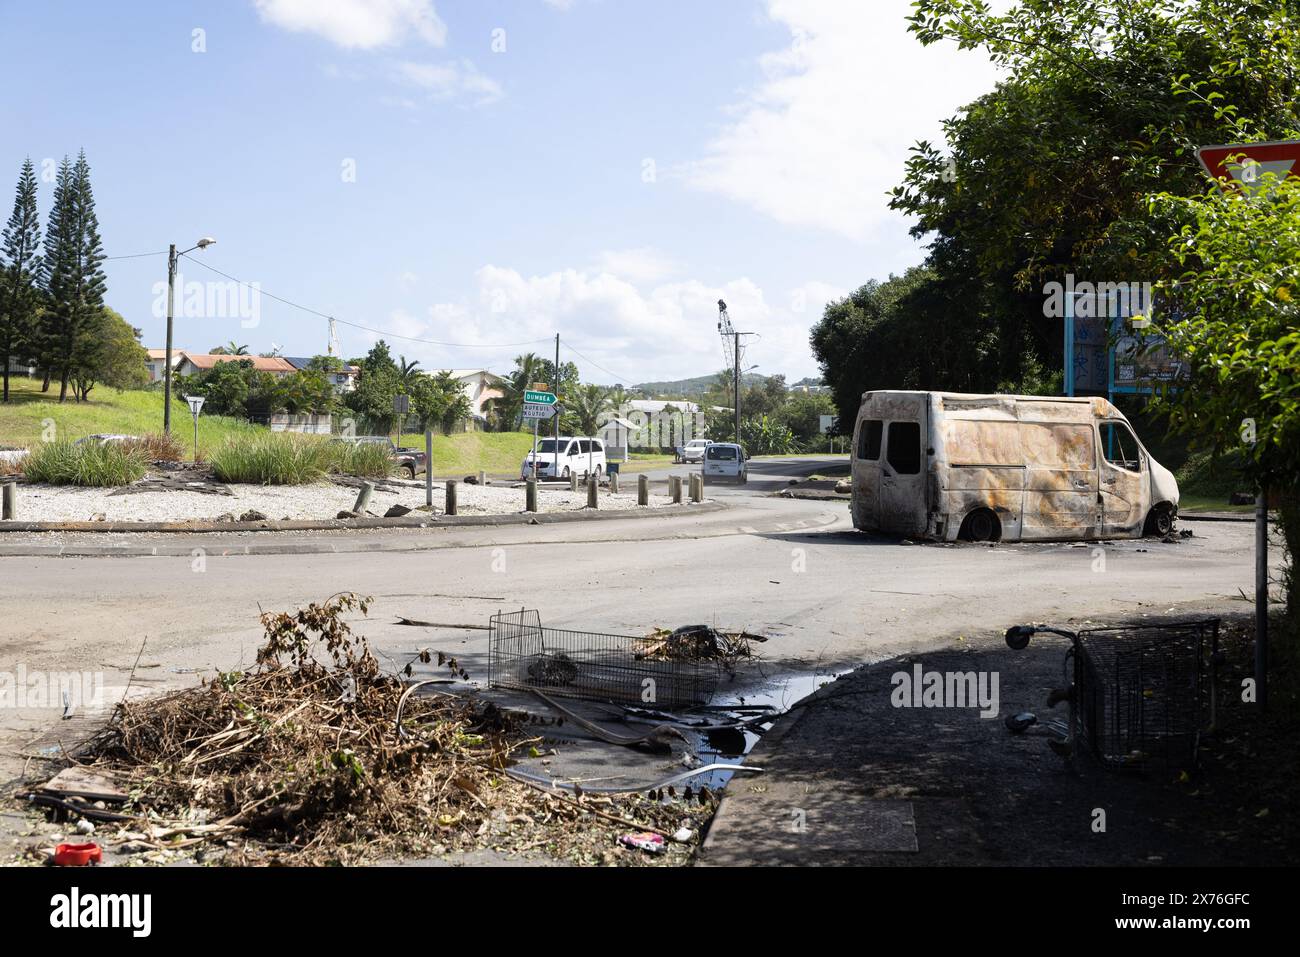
(543,398)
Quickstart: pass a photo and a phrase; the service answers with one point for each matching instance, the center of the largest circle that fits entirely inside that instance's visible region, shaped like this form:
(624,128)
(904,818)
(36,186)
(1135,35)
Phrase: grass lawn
(23,417)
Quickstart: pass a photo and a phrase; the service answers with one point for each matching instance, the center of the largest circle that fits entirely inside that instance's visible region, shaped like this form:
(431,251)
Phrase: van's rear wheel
(981,525)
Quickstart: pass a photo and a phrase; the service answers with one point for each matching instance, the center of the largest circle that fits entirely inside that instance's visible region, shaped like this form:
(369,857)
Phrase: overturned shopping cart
(523,655)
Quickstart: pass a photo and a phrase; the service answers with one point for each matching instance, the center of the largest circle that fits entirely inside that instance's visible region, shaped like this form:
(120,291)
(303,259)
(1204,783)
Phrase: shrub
(283,458)
(363,459)
(97,464)
(158,447)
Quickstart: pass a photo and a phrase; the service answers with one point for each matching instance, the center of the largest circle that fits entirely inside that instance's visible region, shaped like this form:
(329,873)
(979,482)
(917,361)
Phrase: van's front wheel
(980,525)
(1160,522)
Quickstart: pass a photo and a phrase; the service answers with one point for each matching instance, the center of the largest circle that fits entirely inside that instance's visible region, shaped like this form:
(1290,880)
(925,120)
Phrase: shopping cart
(1138,695)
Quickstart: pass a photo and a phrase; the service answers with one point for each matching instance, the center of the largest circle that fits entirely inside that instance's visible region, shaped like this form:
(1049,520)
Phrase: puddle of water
(732,744)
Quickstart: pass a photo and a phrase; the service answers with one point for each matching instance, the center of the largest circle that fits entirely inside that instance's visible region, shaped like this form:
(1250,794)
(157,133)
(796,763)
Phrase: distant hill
(696,386)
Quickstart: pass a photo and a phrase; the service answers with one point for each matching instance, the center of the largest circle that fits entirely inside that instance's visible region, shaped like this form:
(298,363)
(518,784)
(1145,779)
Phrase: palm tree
(406,371)
(585,407)
(231,348)
(511,403)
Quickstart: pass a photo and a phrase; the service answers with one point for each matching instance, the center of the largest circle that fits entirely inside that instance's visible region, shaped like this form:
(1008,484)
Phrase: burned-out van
(944,466)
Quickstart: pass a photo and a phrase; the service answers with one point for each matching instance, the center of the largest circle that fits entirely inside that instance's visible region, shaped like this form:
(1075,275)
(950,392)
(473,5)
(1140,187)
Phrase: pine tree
(54,274)
(75,277)
(20,263)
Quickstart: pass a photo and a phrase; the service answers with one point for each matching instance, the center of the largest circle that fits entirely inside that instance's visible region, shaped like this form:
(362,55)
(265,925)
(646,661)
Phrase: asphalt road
(828,597)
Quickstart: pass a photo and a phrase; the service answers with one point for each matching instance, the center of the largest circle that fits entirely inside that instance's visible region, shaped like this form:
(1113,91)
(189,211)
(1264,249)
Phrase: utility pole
(167,361)
(172,257)
(556,387)
(1261,598)
(736,381)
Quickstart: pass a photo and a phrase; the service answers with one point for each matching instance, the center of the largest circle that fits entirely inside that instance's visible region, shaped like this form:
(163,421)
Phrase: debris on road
(649,841)
(78,855)
(317,756)
(697,643)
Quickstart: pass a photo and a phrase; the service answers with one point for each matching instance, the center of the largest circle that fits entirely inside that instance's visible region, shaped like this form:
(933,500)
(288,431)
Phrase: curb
(1215,517)
(358,524)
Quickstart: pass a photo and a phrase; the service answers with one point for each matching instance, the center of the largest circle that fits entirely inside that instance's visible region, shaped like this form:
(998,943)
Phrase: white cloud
(358,24)
(822,139)
(626,331)
(450,80)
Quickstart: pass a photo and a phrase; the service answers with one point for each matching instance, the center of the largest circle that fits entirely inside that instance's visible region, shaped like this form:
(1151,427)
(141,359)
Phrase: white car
(725,460)
(692,451)
(577,456)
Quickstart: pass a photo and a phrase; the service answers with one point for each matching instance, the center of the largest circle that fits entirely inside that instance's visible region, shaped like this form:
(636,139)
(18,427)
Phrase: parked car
(577,456)
(725,460)
(105,438)
(692,451)
(944,466)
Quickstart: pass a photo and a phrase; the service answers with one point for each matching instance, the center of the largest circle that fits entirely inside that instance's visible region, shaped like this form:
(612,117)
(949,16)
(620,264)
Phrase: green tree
(438,401)
(1102,102)
(511,404)
(72,272)
(585,406)
(20,265)
(111,353)
(1233,312)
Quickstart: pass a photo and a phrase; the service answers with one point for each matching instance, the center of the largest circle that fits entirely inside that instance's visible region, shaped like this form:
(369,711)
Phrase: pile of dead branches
(305,756)
(696,643)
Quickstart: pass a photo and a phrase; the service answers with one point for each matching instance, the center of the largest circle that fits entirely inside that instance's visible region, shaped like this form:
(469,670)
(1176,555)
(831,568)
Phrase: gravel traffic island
(316,502)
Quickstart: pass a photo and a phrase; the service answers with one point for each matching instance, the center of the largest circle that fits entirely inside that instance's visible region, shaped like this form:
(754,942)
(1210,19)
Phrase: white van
(725,460)
(944,466)
(578,456)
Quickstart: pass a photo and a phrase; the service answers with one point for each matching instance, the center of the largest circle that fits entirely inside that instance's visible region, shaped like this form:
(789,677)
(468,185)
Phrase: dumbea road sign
(540,398)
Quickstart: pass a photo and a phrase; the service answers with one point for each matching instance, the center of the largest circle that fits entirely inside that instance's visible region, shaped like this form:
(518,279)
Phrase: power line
(161,252)
(357,325)
(617,377)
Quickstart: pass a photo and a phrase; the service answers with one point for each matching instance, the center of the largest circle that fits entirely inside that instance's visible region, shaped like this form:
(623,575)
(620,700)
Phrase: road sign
(826,421)
(195,403)
(540,398)
(535,410)
(401,404)
(1250,161)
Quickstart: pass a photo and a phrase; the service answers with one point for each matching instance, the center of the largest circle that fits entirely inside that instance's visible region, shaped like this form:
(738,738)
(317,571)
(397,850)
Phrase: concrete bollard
(530,495)
(363,499)
(697,487)
(593,488)
(10,508)
(573,481)
(613,483)
(482,477)
(451,497)
(675,487)
(643,490)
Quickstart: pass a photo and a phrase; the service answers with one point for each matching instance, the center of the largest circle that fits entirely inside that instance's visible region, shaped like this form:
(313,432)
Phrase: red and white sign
(1250,161)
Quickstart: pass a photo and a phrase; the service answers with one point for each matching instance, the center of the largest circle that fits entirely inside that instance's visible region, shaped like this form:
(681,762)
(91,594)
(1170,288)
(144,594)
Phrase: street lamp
(172,256)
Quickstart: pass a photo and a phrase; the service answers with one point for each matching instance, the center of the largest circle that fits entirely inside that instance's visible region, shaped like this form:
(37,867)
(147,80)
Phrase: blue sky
(489,173)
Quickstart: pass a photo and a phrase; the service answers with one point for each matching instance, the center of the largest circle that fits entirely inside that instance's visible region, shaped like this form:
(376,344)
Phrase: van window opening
(904,452)
(1119,446)
(720,452)
(869,440)
(546,445)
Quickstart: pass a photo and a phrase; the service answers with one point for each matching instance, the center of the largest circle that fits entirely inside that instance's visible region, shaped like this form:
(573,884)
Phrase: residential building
(194,362)
(344,380)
